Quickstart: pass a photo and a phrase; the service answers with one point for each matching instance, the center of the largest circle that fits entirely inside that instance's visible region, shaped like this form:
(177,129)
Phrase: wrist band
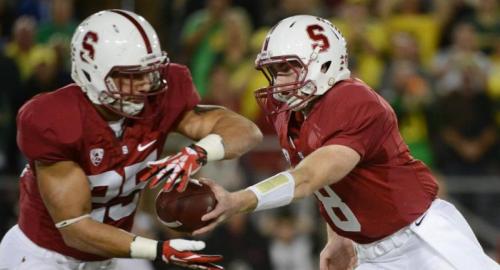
(274,192)
(144,248)
(213,145)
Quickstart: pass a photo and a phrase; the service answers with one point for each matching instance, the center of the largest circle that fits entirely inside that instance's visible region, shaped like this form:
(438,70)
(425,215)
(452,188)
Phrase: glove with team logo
(177,169)
(179,252)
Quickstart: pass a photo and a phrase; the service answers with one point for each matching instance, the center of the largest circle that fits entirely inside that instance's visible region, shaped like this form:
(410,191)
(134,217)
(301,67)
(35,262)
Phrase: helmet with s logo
(117,43)
(313,49)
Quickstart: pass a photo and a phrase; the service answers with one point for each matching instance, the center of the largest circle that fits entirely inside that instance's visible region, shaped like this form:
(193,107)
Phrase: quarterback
(342,142)
(94,145)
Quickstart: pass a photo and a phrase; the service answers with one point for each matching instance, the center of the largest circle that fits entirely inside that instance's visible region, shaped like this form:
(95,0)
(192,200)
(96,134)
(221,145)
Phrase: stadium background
(436,61)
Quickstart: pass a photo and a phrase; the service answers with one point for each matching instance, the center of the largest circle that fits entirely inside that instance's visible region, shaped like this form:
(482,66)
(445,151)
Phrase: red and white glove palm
(179,252)
(181,165)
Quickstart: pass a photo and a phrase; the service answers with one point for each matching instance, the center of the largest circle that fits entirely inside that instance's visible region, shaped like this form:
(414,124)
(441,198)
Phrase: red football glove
(179,252)
(183,164)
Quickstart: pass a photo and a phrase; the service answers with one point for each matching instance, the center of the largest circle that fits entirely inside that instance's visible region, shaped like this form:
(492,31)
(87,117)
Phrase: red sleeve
(185,89)
(360,120)
(193,97)
(180,97)
(181,93)
(44,138)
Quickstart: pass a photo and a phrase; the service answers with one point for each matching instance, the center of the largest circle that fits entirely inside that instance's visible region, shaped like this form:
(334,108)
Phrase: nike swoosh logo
(174,224)
(141,147)
(420,221)
(179,260)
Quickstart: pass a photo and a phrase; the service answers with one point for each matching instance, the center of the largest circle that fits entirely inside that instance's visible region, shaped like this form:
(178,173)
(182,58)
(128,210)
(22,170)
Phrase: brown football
(182,211)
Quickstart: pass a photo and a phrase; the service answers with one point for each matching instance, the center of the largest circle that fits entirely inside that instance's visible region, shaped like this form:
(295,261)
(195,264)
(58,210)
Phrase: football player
(90,144)
(342,142)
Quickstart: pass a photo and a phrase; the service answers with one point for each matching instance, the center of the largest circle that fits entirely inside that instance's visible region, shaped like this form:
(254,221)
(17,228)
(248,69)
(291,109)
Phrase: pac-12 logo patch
(96,156)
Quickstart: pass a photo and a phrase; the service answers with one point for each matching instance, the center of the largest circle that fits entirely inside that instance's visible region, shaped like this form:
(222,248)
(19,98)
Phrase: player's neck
(307,109)
(106,114)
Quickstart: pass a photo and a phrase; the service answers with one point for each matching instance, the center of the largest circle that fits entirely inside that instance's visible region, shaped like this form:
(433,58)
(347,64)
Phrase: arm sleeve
(39,139)
(361,126)
(191,94)
(181,95)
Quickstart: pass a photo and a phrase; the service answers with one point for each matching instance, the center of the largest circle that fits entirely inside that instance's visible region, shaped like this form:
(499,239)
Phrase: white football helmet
(121,44)
(313,49)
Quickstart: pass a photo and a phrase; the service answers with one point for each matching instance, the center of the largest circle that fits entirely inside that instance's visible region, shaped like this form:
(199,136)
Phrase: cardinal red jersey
(64,126)
(388,189)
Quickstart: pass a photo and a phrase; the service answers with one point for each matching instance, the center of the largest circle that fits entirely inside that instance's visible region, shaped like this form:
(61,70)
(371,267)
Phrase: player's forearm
(295,184)
(325,166)
(306,182)
(97,238)
(239,134)
(223,133)
(275,191)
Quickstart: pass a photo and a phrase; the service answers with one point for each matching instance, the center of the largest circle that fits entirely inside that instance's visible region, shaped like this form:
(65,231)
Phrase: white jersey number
(331,201)
(119,193)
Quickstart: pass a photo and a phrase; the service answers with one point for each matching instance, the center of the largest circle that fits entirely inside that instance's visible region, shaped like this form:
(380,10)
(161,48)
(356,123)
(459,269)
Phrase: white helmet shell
(319,47)
(107,41)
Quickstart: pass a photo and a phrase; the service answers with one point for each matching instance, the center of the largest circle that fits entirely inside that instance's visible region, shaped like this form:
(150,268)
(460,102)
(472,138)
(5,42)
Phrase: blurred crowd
(436,61)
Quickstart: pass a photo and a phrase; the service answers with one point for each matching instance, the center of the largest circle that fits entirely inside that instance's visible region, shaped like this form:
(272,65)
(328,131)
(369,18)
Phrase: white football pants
(440,239)
(18,252)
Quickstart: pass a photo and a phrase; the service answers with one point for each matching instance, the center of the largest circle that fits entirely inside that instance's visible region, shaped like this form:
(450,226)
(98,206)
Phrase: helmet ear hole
(326,66)
(87,76)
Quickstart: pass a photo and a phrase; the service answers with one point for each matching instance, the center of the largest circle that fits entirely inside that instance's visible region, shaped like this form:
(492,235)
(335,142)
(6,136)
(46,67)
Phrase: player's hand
(180,252)
(177,169)
(226,207)
(338,255)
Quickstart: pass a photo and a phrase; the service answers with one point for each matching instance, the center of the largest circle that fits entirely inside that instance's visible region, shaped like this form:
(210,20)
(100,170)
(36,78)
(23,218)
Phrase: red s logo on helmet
(315,32)
(88,48)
